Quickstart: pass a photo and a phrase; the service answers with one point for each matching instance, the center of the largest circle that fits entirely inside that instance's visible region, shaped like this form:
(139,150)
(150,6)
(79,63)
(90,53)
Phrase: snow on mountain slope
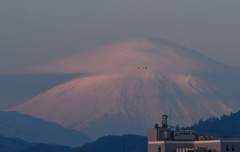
(129,85)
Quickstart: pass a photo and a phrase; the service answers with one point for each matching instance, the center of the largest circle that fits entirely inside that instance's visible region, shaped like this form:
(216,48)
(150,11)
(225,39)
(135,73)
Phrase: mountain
(128,85)
(48,148)
(13,144)
(28,128)
(131,143)
(18,145)
(226,125)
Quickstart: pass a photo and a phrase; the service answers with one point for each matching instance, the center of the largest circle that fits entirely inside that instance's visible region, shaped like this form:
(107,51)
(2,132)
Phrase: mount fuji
(128,85)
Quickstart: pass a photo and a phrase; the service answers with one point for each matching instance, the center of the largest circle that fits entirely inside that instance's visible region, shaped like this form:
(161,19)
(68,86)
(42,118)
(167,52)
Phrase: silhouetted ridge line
(17,142)
(226,126)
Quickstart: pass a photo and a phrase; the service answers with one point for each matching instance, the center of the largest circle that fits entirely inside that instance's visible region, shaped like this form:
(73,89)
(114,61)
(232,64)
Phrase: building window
(159,149)
(233,148)
(227,147)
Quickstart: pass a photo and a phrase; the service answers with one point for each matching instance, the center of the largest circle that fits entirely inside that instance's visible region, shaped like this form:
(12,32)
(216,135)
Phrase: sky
(33,32)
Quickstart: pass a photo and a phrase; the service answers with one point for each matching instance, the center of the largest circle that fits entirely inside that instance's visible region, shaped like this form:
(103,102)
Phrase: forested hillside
(223,126)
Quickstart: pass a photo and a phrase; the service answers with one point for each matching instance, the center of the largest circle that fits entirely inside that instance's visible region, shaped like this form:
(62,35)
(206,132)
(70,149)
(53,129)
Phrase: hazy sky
(35,31)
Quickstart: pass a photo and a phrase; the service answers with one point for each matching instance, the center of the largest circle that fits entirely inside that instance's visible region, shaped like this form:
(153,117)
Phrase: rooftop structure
(163,139)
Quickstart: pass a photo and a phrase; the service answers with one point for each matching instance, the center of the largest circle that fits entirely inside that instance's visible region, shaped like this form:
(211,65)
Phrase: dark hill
(133,143)
(13,144)
(18,145)
(28,128)
(48,148)
(217,127)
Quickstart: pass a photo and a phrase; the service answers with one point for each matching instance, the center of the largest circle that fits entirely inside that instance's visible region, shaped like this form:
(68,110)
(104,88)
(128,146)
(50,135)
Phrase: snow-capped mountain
(130,84)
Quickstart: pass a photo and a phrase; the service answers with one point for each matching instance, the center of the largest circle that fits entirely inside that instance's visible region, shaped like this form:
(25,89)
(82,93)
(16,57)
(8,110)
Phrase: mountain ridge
(227,126)
(28,128)
(134,143)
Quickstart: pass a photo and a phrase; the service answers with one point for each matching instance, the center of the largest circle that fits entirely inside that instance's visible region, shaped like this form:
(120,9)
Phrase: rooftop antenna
(170,118)
(164,121)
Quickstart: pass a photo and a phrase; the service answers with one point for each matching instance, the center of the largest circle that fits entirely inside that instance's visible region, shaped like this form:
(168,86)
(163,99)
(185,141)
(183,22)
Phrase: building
(162,139)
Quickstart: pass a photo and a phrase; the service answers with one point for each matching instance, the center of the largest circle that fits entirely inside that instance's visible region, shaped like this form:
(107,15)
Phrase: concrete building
(162,139)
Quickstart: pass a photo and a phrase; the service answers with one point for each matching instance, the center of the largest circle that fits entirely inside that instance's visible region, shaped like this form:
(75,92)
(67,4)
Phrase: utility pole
(124,143)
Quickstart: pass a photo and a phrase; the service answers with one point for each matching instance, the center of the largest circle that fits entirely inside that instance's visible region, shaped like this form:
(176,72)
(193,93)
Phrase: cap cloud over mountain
(159,55)
(129,84)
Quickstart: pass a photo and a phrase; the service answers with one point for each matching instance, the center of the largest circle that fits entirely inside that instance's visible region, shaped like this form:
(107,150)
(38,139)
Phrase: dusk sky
(33,32)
